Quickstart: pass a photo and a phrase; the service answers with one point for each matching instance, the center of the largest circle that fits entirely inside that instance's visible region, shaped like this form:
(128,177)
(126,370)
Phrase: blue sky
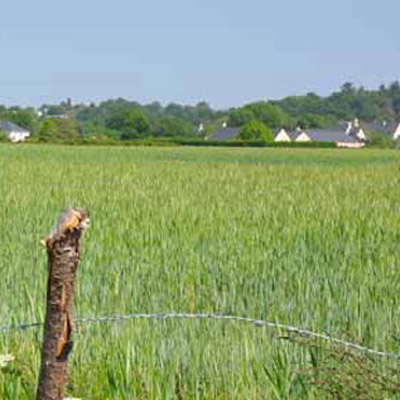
(226,52)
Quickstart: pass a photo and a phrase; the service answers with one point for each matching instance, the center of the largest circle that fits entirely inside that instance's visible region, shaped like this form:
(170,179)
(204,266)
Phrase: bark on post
(63,256)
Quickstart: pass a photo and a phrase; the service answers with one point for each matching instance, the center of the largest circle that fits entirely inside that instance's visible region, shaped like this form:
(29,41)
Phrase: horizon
(225,53)
(164,104)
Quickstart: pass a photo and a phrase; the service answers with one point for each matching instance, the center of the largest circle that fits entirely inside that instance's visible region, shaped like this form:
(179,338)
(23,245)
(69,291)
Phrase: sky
(225,52)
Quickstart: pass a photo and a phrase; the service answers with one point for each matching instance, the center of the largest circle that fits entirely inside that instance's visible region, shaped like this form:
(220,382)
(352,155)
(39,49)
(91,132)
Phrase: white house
(396,133)
(303,137)
(355,129)
(341,138)
(282,136)
(391,129)
(14,132)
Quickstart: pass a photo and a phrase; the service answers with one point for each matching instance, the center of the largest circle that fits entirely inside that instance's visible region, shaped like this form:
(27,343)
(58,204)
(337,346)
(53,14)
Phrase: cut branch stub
(63,256)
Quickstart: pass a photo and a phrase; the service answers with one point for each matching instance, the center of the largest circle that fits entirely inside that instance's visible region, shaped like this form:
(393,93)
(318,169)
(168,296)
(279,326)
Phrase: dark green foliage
(127,120)
(173,127)
(379,139)
(340,374)
(309,121)
(269,114)
(131,123)
(3,136)
(348,103)
(240,116)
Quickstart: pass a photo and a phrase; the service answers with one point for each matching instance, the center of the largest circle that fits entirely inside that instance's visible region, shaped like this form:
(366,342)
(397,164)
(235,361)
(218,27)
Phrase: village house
(355,129)
(341,138)
(346,134)
(225,133)
(282,135)
(391,129)
(14,132)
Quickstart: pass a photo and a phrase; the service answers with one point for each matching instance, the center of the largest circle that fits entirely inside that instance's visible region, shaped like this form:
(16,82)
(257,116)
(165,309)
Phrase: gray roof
(9,127)
(340,125)
(326,135)
(388,128)
(293,134)
(225,134)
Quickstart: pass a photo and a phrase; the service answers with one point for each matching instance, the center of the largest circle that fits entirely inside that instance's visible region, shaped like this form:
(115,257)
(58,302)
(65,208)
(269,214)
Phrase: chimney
(349,127)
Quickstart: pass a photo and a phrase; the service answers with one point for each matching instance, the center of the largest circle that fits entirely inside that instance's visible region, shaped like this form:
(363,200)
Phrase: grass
(306,237)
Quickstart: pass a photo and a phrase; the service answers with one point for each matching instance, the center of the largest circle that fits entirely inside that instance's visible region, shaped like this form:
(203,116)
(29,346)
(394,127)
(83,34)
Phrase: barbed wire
(256,322)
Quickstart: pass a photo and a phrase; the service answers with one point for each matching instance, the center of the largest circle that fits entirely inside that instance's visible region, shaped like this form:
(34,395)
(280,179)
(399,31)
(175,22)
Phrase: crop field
(309,238)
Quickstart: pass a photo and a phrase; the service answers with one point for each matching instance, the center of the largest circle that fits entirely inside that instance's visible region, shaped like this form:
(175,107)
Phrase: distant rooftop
(326,135)
(227,133)
(9,127)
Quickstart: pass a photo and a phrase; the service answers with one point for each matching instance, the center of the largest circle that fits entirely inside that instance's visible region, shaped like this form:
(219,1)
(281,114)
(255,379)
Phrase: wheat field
(305,237)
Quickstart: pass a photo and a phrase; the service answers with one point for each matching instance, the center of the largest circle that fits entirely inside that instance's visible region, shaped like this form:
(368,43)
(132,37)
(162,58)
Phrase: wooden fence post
(63,256)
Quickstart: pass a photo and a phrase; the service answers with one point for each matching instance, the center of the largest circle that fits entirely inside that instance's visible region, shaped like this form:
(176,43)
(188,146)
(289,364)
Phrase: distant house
(302,136)
(281,135)
(355,128)
(341,138)
(391,129)
(396,132)
(14,132)
(225,133)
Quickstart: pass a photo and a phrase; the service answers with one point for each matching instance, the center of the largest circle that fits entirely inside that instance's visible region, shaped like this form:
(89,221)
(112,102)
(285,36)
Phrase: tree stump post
(63,256)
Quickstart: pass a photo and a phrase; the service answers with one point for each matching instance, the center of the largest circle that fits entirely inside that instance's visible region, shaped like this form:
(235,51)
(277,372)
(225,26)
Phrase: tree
(379,139)
(255,130)
(95,129)
(173,127)
(240,116)
(58,129)
(348,87)
(131,123)
(270,114)
(45,131)
(266,112)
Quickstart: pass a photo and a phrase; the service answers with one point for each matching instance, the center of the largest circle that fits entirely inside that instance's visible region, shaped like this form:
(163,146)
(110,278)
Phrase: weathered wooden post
(63,256)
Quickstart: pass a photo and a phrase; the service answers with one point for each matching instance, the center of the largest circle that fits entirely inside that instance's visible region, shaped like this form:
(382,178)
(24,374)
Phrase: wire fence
(255,322)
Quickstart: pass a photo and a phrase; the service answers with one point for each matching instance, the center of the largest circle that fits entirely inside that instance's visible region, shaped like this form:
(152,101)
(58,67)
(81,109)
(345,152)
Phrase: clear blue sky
(226,52)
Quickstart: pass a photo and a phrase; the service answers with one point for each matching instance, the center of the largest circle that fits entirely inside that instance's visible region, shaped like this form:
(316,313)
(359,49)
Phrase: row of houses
(351,134)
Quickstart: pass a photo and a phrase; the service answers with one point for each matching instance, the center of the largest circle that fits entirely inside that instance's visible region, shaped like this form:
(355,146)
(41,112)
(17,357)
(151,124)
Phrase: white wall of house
(303,137)
(361,135)
(396,134)
(282,136)
(350,145)
(18,136)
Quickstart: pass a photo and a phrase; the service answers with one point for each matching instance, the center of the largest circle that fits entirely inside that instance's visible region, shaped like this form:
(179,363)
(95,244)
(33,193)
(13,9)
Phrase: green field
(306,237)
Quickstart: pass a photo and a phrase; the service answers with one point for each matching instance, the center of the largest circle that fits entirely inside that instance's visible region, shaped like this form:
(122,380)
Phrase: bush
(166,142)
(3,136)
(380,139)
(255,130)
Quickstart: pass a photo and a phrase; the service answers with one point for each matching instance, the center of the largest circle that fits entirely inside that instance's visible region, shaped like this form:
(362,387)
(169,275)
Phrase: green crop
(306,237)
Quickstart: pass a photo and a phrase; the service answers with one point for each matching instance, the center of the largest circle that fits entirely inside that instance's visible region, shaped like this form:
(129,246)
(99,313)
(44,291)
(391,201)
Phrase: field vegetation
(308,237)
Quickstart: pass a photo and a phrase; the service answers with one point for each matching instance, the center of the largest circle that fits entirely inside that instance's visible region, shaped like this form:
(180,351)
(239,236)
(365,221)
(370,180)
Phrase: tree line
(121,119)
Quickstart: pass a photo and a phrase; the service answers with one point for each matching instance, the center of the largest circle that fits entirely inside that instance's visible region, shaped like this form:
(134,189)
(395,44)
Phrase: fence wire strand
(256,322)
